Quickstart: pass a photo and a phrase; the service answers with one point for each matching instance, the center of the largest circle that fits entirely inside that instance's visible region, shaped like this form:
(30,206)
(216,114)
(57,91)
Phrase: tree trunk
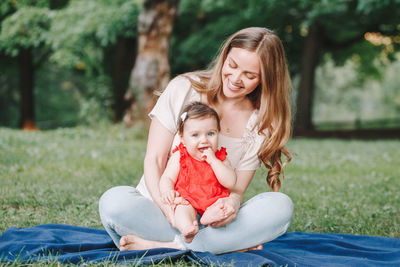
(151,71)
(26,73)
(311,52)
(124,57)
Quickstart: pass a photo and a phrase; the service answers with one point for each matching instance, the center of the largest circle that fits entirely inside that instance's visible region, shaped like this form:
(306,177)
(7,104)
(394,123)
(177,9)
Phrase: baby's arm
(168,179)
(222,169)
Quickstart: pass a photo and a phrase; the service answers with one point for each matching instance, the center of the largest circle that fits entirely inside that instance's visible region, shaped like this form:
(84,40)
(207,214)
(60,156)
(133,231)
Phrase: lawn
(57,176)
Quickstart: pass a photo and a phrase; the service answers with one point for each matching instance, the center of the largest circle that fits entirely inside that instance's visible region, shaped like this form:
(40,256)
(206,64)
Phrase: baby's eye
(195,135)
(211,133)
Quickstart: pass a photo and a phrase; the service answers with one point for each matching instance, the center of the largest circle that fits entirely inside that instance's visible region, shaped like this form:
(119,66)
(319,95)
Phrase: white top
(242,152)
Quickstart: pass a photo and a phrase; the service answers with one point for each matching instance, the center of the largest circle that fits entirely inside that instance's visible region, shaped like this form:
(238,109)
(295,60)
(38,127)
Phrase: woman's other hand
(231,205)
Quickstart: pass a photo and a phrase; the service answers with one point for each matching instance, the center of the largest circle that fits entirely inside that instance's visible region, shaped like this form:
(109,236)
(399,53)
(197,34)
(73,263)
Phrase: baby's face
(199,135)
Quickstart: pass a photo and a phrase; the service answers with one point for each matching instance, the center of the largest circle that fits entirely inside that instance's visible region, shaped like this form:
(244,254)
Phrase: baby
(199,173)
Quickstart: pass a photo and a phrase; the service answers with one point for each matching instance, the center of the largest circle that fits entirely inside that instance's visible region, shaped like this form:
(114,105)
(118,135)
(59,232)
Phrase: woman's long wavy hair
(271,97)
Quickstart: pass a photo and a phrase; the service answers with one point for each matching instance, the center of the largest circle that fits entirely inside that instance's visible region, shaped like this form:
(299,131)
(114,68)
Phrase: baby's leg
(186,222)
(215,213)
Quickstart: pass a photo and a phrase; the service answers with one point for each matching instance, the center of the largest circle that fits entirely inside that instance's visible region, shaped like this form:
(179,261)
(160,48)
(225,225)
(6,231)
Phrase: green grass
(342,186)
(58,176)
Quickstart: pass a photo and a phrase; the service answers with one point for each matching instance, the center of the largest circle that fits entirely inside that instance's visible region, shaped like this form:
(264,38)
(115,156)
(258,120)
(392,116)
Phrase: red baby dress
(197,182)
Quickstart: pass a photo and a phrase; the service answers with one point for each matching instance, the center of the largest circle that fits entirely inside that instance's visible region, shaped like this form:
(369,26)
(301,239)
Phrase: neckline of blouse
(249,127)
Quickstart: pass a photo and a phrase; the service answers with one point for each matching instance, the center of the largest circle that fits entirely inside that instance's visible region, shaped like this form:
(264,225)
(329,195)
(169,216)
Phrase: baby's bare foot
(190,231)
(214,214)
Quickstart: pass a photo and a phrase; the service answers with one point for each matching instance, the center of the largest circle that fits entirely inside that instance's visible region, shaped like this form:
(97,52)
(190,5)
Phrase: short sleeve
(250,160)
(171,101)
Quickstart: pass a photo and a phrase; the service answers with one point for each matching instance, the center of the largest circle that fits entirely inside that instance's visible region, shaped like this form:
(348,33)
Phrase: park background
(82,71)
(65,63)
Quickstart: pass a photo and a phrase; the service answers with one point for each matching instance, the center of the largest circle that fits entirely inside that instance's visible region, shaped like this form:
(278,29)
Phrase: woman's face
(241,73)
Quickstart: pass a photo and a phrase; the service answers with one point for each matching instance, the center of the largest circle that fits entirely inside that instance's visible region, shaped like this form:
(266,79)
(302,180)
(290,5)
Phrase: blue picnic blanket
(78,245)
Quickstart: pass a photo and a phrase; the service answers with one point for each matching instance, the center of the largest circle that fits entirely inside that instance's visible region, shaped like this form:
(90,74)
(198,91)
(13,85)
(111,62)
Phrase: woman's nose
(236,77)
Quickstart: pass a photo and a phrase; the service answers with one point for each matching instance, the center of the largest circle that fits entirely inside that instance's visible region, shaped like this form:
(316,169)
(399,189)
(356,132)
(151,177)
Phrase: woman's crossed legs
(126,213)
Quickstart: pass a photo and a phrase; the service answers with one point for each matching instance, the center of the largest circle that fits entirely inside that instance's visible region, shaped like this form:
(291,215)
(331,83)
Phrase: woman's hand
(169,208)
(231,204)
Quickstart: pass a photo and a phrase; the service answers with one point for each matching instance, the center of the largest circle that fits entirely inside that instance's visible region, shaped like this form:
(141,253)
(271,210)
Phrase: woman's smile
(234,87)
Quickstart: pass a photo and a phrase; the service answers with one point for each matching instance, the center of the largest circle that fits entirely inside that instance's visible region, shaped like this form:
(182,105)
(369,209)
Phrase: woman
(249,86)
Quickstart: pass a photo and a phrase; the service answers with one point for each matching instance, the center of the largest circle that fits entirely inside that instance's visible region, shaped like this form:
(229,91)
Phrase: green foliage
(26,28)
(83,29)
(8,95)
(342,100)
(57,99)
(347,39)
(203,25)
(80,35)
(10,6)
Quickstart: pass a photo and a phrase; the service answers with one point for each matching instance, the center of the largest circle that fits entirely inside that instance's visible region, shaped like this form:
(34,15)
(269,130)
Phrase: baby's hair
(196,110)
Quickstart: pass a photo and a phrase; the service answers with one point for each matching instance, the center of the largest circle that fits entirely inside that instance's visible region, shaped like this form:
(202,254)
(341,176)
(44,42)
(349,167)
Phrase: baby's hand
(208,155)
(169,196)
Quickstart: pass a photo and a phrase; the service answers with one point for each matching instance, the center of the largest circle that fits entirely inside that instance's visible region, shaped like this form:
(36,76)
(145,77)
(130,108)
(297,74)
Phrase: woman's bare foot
(189,231)
(252,248)
(215,214)
(133,242)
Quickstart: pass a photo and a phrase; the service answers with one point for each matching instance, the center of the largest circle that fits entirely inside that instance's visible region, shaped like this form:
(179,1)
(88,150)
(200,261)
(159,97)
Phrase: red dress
(197,182)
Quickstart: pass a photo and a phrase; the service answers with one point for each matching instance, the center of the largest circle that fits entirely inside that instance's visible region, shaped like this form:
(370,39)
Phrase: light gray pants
(123,211)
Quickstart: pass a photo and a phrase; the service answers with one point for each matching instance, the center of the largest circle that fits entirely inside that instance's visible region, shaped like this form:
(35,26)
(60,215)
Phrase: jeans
(123,210)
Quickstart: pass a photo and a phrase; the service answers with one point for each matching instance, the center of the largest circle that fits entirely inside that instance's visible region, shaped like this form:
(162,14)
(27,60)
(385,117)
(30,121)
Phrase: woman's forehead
(247,60)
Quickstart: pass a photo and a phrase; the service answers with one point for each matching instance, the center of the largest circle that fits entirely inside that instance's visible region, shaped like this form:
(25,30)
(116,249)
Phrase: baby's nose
(203,139)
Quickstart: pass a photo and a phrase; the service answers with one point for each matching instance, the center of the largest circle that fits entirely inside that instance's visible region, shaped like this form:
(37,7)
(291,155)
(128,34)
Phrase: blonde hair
(271,97)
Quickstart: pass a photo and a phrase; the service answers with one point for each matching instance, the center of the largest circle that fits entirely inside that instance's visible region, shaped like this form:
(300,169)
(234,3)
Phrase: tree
(151,71)
(23,35)
(308,29)
(97,39)
(323,34)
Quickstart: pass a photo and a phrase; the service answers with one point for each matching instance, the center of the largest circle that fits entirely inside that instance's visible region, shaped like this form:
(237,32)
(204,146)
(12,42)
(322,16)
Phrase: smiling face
(200,134)
(241,73)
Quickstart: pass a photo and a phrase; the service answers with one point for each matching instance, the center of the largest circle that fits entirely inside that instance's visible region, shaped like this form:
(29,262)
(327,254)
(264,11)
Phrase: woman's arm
(159,143)
(235,198)
(168,179)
